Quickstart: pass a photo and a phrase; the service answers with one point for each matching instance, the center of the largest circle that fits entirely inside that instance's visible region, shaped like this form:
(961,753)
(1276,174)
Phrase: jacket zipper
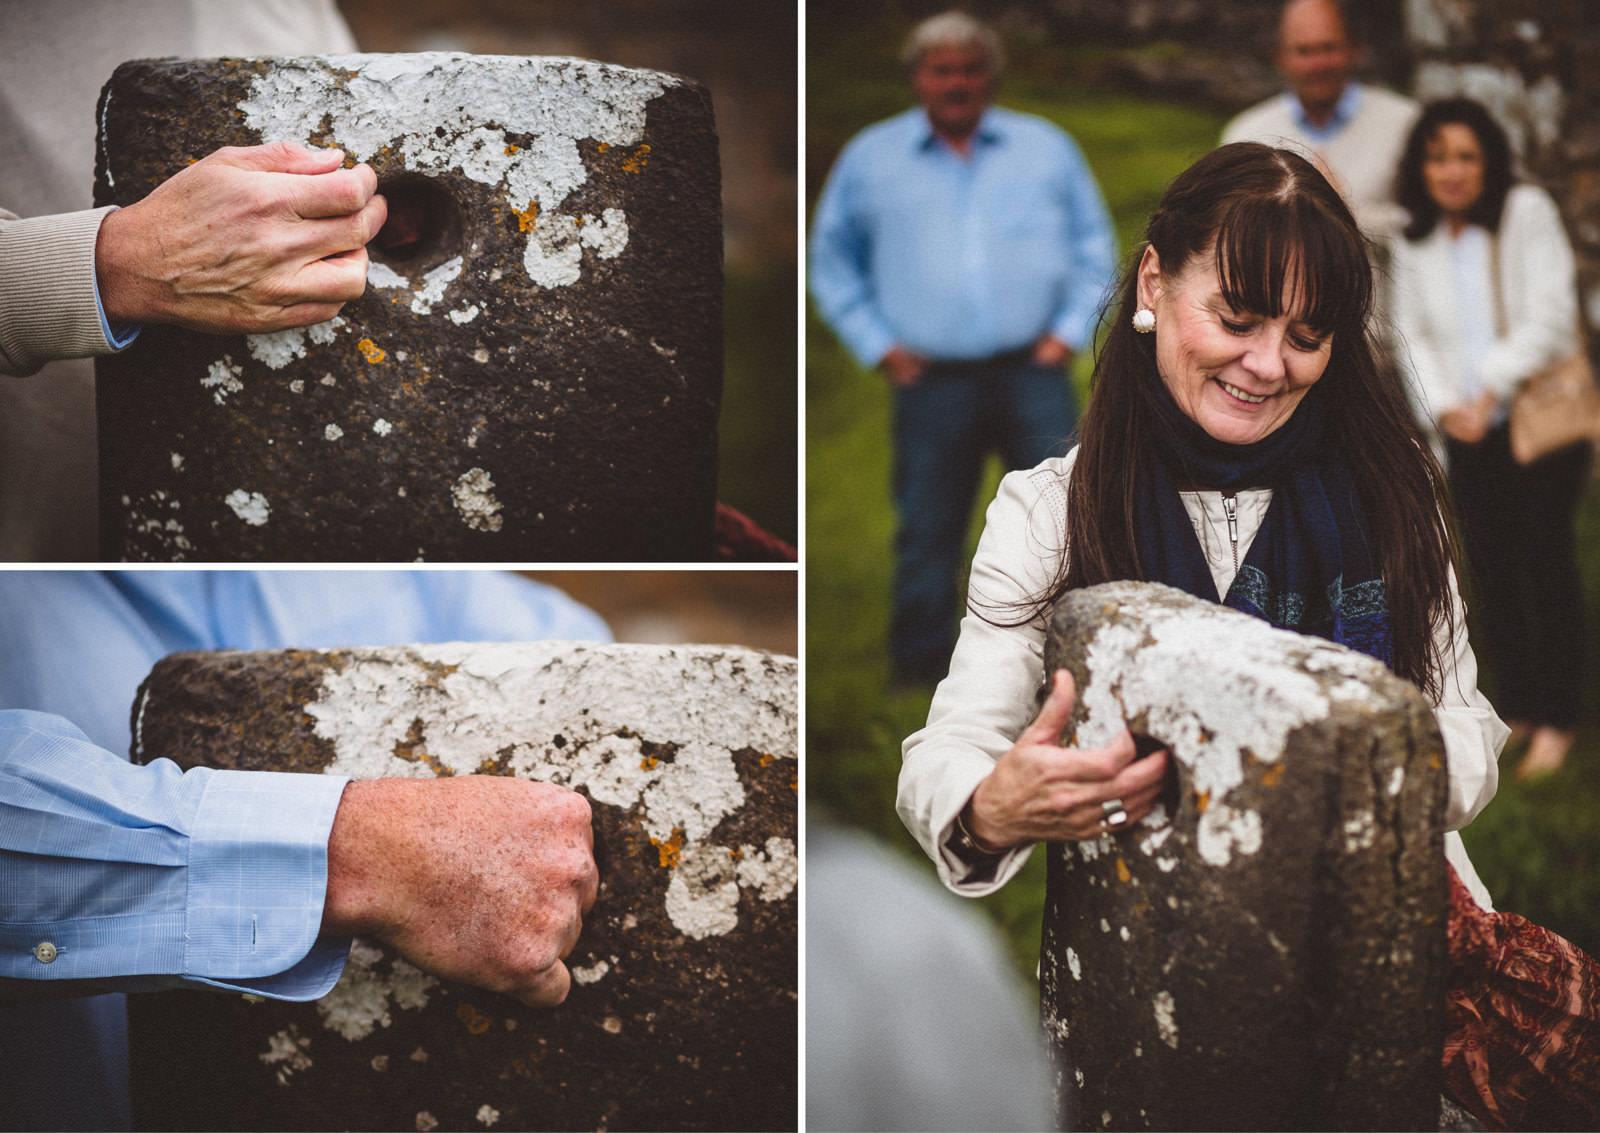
(1230,506)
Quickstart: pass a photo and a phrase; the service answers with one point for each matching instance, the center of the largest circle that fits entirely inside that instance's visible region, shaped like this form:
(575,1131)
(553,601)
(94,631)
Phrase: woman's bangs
(1272,259)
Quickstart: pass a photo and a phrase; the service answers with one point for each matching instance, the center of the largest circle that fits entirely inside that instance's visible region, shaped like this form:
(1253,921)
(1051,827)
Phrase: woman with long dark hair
(1242,443)
(1485,295)
(1237,406)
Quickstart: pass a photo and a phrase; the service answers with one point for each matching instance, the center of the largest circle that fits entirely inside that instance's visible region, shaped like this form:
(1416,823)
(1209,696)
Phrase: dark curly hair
(1411,189)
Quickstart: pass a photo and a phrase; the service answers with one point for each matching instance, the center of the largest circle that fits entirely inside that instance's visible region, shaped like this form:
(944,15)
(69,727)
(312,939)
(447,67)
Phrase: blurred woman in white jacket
(1485,296)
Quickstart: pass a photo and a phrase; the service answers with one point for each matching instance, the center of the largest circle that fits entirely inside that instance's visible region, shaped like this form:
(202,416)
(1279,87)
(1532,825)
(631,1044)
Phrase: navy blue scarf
(1311,568)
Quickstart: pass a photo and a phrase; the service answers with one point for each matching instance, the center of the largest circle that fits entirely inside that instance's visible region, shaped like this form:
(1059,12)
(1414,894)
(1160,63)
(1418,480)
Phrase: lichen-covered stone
(683,1012)
(534,372)
(1267,950)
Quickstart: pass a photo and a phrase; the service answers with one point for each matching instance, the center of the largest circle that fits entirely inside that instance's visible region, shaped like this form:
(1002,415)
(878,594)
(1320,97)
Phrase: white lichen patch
(382,427)
(252,507)
(426,1122)
(771,870)
(277,349)
(362,1000)
(463,315)
(1166,1018)
(445,111)
(593,973)
(433,285)
(154,517)
(223,377)
(487,1115)
(332,433)
(287,1051)
(649,729)
(554,256)
(473,493)
(382,275)
(1074,965)
(1360,831)
(1272,700)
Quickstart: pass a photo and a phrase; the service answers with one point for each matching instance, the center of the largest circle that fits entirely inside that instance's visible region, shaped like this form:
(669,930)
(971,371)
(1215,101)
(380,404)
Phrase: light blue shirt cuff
(120,337)
(258,878)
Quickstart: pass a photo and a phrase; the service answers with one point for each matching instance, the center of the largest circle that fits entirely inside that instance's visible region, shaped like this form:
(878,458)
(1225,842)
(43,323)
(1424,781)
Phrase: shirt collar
(1344,110)
(989,131)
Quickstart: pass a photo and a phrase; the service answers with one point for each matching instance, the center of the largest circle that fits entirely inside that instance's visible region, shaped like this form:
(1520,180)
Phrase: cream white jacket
(1538,276)
(996,672)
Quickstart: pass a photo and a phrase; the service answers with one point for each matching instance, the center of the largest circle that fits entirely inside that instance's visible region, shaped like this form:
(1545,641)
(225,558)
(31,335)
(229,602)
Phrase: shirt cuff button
(45,952)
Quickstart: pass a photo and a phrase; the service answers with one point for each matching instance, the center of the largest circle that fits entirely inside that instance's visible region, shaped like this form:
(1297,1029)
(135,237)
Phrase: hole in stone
(1147,745)
(423,228)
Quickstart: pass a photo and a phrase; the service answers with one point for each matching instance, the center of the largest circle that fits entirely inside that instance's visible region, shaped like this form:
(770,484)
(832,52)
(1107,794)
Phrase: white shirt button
(45,952)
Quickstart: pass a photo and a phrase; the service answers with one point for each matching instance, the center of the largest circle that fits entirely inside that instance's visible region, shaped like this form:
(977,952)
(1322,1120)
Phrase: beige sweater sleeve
(49,308)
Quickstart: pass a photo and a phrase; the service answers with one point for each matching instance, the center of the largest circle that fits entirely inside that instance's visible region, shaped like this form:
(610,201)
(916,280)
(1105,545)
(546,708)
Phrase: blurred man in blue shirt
(964,251)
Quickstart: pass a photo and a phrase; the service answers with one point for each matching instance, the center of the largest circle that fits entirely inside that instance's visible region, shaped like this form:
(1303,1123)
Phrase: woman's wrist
(966,832)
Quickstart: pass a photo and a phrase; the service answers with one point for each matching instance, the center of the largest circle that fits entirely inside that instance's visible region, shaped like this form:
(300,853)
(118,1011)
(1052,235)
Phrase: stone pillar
(534,373)
(683,1011)
(1268,950)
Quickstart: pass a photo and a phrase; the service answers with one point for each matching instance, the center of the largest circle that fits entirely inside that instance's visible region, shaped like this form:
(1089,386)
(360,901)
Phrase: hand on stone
(1040,791)
(245,240)
(479,878)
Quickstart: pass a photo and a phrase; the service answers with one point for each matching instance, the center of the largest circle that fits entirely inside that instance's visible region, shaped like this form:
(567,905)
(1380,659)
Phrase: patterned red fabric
(739,539)
(1522,1037)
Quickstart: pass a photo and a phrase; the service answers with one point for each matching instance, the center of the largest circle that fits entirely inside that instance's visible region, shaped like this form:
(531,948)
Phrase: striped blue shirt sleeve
(136,878)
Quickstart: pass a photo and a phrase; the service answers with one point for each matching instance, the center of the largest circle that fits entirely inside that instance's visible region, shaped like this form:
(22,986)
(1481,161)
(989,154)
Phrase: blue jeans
(945,426)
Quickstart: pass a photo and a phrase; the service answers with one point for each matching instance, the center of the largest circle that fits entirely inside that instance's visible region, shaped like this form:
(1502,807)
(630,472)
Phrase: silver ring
(1115,813)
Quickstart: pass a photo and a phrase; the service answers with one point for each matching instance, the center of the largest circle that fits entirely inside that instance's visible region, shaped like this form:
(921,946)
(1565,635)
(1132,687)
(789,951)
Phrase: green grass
(1537,846)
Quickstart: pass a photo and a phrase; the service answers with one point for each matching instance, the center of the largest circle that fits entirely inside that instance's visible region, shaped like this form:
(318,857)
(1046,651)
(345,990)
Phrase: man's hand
(478,878)
(902,367)
(245,240)
(1051,351)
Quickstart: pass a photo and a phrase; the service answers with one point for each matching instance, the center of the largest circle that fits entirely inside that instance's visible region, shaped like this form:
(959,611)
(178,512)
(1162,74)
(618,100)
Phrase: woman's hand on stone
(1041,791)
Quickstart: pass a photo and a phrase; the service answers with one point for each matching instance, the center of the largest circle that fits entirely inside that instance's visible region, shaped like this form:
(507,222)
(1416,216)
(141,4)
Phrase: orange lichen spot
(638,160)
(1203,801)
(1122,871)
(604,146)
(766,759)
(526,218)
(1435,762)
(475,1021)
(649,763)
(1272,775)
(371,351)
(671,850)
(511,149)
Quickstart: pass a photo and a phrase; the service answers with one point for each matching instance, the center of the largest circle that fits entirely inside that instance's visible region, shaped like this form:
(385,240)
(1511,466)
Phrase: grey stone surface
(1268,950)
(683,1012)
(535,370)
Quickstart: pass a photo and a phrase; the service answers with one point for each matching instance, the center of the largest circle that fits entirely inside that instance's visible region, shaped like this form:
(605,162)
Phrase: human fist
(245,240)
(479,878)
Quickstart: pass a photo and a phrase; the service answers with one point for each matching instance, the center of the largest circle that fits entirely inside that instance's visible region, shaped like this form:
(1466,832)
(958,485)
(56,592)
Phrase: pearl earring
(1144,320)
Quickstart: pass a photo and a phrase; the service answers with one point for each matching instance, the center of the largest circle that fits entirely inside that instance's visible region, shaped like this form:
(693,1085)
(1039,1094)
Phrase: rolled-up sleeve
(135,878)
